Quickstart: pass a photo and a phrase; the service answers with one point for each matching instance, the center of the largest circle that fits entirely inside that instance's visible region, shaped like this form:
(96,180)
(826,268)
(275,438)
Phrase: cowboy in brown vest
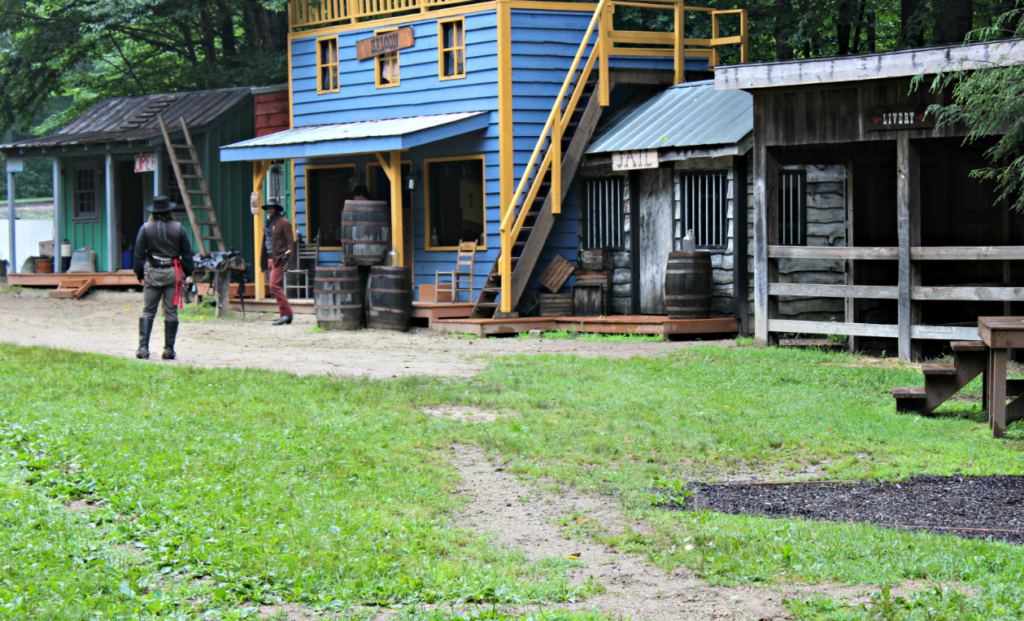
(279,247)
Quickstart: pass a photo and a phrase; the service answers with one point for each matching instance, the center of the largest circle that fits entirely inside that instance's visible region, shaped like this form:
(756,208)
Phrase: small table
(1000,335)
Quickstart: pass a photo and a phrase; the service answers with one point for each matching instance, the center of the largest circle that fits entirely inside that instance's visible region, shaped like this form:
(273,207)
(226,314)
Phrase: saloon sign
(385,43)
(885,120)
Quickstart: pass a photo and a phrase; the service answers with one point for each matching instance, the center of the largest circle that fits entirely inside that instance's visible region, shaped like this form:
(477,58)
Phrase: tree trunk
(871,33)
(847,14)
(784,28)
(953,20)
(913,15)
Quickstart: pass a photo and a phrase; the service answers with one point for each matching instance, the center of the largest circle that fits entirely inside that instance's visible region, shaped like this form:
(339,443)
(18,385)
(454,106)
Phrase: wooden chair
(461,280)
(298,282)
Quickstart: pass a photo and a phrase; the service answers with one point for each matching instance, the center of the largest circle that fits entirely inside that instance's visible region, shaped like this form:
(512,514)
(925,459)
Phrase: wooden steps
(942,381)
(72,288)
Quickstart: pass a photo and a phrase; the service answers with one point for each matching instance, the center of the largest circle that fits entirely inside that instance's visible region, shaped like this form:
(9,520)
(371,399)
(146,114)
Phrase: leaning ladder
(209,219)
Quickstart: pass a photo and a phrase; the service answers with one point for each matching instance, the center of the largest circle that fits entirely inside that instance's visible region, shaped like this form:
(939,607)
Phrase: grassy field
(219,490)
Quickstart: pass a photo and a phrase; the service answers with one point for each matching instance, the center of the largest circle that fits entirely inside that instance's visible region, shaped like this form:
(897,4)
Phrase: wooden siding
(421,92)
(543,45)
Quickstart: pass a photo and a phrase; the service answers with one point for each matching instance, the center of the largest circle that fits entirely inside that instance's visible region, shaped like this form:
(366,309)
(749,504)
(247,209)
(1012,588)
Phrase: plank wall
(543,45)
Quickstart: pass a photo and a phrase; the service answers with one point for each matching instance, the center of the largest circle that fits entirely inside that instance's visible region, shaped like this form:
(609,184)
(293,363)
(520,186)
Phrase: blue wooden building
(469,118)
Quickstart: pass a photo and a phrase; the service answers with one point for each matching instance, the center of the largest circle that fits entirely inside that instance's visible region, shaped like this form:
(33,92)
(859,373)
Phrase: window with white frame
(85,204)
(603,213)
(703,201)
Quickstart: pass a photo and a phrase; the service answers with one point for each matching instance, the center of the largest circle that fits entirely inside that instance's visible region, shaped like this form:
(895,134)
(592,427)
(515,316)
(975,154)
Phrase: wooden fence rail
(978,293)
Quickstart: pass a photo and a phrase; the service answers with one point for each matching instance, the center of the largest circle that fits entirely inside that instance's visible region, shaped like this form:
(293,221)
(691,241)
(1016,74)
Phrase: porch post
(12,265)
(113,240)
(158,172)
(58,219)
(259,171)
(397,232)
(908,219)
(766,229)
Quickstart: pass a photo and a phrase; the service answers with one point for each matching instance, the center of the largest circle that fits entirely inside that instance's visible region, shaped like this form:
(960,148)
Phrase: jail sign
(385,43)
(904,118)
(634,160)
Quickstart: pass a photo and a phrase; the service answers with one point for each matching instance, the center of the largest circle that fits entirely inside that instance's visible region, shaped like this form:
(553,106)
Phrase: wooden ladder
(206,240)
(527,248)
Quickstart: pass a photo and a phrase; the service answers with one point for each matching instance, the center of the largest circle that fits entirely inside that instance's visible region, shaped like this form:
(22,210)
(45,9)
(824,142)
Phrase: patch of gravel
(466,413)
(973,507)
(106,322)
(524,518)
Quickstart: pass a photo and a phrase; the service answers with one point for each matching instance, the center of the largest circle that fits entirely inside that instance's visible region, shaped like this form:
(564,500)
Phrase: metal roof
(692,114)
(134,119)
(351,138)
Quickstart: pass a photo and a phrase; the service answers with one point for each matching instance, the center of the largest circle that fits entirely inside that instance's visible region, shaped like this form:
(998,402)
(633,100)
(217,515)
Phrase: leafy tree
(88,50)
(990,102)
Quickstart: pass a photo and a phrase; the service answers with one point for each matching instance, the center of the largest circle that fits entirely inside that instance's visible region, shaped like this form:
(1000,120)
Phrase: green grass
(11,289)
(206,312)
(225,488)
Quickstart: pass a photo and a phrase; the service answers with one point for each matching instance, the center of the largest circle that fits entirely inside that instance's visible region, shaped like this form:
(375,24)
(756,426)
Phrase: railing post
(605,45)
(556,158)
(680,38)
(505,269)
(744,38)
(713,61)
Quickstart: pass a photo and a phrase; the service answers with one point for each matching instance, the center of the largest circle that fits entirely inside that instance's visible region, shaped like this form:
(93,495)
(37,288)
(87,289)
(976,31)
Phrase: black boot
(145,329)
(170,333)
(283,321)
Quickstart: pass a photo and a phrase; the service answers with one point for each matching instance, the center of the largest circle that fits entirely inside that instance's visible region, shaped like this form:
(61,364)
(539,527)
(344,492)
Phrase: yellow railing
(303,14)
(609,43)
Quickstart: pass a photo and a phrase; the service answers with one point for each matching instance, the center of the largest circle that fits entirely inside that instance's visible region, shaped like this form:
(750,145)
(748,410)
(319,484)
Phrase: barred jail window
(704,204)
(793,208)
(602,213)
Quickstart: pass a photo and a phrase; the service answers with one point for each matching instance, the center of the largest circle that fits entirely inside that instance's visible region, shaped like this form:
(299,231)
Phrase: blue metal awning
(352,138)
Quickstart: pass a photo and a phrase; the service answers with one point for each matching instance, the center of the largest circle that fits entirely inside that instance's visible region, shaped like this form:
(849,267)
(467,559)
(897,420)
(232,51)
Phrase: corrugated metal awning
(352,138)
(691,114)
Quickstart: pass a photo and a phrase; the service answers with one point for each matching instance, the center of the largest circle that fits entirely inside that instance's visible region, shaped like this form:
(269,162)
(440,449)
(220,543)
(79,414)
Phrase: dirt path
(106,322)
(523,517)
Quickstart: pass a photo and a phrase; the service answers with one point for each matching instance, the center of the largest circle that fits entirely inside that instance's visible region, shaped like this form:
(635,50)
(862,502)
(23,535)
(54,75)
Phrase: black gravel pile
(976,507)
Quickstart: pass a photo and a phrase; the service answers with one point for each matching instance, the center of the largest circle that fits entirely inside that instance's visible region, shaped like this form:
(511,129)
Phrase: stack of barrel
(688,285)
(364,290)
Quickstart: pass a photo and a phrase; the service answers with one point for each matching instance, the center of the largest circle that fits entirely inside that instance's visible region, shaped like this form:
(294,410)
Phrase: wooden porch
(121,278)
(620,324)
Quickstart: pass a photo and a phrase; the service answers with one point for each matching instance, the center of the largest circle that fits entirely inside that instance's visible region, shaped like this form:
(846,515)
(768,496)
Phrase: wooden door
(655,208)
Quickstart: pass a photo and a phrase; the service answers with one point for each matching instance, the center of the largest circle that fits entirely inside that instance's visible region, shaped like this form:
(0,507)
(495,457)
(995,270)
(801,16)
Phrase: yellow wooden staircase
(527,221)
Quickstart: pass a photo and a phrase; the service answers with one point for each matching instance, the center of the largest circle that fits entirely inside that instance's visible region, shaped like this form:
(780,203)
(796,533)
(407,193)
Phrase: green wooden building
(111,161)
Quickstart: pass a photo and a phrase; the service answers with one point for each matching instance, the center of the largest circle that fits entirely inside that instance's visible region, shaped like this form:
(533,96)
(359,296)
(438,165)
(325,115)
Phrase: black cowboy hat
(274,205)
(161,204)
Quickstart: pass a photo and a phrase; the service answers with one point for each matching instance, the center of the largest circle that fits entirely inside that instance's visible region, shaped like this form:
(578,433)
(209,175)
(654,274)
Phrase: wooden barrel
(44,265)
(365,232)
(338,298)
(389,298)
(688,285)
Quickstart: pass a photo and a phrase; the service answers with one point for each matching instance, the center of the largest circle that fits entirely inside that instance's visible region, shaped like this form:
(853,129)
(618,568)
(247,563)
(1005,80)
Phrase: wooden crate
(557,273)
(430,295)
(588,300)
(596,259)
(555,304)
(597,277)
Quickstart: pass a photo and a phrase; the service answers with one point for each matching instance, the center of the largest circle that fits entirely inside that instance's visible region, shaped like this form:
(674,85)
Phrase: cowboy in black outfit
(163,245)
